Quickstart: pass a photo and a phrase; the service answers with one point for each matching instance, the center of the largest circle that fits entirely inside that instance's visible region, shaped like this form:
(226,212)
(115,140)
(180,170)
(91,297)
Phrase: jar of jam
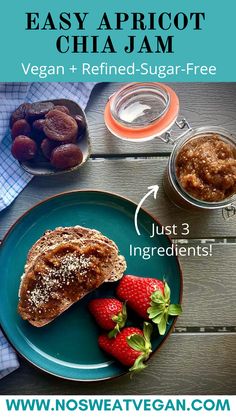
(201,171)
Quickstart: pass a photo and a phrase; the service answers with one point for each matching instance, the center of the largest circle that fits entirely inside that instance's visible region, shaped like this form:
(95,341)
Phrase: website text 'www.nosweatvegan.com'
(118,404)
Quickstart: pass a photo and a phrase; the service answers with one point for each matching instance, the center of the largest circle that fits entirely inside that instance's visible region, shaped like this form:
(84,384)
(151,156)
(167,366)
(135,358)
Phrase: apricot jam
(206,168)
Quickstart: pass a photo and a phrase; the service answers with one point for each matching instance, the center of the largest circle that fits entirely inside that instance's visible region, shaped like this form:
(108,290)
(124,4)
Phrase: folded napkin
(12,177)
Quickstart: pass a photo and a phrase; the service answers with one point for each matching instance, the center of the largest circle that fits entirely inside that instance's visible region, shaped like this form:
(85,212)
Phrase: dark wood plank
(199,364)
(129,178)
(201,104)
(209,287)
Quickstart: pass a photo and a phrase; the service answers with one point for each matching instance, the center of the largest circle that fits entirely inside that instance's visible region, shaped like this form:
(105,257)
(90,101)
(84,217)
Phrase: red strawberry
(149,298)
(131,346)
(109,313)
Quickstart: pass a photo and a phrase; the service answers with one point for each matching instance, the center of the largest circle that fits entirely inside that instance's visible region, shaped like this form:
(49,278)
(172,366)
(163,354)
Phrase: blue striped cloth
(8,358)
(12,177)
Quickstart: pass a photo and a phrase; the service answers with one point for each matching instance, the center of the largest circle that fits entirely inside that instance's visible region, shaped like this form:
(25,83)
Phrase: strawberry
(109,313)
(131,346)
(149,298)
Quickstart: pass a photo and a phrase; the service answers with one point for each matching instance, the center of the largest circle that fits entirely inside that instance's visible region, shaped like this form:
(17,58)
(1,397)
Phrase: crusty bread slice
(63,234)
(61,276)
(68,234)
(118,269)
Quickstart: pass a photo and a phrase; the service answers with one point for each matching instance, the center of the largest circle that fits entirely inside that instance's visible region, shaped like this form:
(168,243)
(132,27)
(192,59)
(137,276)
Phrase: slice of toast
(68,234)
(61,276)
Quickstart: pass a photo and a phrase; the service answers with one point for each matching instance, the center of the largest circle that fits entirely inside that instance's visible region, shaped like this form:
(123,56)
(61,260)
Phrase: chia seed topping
(65,271)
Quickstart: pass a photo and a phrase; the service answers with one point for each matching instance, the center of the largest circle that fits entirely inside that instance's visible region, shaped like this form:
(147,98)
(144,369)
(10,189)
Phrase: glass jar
(173,187)
(141,111)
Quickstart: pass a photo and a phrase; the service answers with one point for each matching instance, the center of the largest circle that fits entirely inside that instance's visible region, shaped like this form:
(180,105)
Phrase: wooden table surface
(200,356)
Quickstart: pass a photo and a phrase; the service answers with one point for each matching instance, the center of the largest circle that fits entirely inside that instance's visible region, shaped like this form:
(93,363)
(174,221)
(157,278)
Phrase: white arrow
(151,189)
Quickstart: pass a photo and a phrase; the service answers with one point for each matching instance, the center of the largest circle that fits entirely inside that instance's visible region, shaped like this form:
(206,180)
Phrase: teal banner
(161,40)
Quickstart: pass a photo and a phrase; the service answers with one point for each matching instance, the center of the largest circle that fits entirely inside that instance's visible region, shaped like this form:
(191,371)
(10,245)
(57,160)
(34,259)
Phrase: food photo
(117,228)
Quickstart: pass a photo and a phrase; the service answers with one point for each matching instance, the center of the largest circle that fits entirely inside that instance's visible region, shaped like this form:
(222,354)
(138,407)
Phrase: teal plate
(67,347)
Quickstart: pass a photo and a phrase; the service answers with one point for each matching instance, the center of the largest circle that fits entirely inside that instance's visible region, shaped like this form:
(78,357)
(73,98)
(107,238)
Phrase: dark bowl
(40,166)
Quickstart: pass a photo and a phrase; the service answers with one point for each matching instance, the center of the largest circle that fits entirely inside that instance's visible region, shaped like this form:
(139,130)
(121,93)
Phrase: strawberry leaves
(174,309)
(161,309)
(141,344)
(120,320)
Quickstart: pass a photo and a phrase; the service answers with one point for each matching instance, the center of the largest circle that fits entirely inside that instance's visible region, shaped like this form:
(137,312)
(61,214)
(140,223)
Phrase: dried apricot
(38,125)
(81,123)
(66,156)
(19,113)
(20,127)
(38,110)
(47,146)
(23,148)
(60,127)
(62,108)
(37,129)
